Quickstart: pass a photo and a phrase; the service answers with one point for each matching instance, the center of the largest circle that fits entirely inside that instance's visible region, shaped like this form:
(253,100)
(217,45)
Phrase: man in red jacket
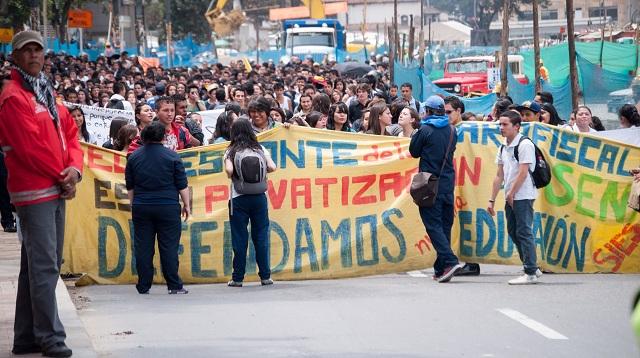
(44,160)
(176,136)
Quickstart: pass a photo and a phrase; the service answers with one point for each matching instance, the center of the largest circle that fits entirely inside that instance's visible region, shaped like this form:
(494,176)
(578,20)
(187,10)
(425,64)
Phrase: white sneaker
(538,273)
(524,280)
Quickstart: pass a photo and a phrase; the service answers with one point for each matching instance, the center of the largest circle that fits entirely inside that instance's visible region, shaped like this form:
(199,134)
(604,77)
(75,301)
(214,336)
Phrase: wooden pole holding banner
(573,68)
(505,48)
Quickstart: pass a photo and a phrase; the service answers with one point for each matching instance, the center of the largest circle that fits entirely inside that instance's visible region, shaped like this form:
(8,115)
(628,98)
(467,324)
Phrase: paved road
(394,315)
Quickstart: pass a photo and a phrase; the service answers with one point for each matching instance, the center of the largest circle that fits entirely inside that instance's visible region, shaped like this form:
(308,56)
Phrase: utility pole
(167,20)
(505,48)
(536,45)
(573,70)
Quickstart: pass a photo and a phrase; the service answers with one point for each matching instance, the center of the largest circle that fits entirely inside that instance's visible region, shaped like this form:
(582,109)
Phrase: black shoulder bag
(424,186)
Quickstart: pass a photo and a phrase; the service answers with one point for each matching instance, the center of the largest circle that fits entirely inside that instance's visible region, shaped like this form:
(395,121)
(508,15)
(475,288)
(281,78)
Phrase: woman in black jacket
(155,176)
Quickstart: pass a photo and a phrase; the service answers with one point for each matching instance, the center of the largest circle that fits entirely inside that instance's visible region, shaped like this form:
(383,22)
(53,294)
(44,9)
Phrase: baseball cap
(212,86)
(529,105)
(24,37)
(434,102)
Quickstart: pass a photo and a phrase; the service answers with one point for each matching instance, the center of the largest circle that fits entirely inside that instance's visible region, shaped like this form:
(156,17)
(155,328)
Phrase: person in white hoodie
(117,100)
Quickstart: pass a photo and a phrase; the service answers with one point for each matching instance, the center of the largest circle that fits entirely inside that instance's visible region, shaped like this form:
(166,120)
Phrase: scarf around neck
(43,90)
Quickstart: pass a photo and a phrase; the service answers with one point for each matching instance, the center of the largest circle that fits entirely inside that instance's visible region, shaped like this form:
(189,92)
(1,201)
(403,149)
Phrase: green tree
(187,17)
(18,13)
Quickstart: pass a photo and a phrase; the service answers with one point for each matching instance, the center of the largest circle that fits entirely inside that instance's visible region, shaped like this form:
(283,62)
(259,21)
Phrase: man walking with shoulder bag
(434,144)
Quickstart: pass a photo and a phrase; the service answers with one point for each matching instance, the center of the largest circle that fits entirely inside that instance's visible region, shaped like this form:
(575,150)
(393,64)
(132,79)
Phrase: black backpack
(115,104)
(249,172)
(541,173)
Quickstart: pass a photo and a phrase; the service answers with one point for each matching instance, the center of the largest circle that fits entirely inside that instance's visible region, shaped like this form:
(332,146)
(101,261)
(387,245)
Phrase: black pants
(6,209)
(163,222)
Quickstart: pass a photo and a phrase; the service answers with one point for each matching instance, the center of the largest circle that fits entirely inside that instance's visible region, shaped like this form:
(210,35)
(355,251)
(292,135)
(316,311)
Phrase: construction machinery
(222,23)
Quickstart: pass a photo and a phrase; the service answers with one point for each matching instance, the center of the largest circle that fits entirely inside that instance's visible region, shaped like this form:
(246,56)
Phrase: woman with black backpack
(247,163)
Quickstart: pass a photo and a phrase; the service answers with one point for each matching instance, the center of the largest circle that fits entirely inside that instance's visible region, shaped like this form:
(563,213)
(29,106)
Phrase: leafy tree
(18,13)
(187,17)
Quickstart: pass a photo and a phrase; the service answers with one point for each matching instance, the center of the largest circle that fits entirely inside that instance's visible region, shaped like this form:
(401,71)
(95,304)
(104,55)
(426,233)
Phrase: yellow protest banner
(339,207)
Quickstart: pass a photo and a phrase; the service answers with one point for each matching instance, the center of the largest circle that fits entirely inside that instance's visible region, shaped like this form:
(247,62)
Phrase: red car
(477,75)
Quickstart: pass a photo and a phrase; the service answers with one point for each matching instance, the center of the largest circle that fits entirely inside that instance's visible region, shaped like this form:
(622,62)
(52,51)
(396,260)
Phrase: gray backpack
(249,172)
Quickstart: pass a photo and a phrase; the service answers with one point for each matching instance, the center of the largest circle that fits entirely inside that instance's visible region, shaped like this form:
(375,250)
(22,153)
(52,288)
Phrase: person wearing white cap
(44,160)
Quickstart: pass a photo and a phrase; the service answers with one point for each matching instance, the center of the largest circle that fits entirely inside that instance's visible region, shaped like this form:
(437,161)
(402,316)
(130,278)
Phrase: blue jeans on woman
(244,209)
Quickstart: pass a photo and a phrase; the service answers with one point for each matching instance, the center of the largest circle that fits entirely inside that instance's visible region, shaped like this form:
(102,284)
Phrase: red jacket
(36,150)
(176,138)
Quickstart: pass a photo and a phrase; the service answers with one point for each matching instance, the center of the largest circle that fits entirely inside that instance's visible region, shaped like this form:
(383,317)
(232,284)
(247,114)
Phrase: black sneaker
(449,272)
(469,269)
(11,228)
(26,349)
(181,291)
(266,282)
(57,350)
(233,283)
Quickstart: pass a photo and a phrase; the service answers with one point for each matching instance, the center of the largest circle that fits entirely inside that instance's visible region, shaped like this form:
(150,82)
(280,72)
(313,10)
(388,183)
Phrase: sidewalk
(77,337)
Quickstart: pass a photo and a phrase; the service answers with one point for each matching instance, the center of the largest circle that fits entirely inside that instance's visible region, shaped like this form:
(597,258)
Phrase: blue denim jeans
(244,209)
(519,225)
(438,221)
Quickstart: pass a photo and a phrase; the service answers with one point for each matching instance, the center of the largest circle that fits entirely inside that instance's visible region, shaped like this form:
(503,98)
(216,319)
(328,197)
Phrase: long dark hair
(223,126)
(242,137)
(83,129)
(126,135)
(339,107)
(554,118)
(313,118)
(630,112)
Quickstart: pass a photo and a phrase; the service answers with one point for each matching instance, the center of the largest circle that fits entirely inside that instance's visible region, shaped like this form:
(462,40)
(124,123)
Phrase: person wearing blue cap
(530,111)
(434,144)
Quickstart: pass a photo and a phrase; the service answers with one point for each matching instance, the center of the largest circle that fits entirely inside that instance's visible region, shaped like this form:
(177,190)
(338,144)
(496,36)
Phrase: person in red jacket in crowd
(44,160)
(176,137)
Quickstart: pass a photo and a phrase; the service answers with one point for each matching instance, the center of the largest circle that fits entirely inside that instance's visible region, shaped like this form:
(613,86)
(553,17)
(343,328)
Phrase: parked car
(468,76)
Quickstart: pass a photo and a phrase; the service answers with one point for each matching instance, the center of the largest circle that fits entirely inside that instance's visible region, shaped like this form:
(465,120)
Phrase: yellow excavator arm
(221,23)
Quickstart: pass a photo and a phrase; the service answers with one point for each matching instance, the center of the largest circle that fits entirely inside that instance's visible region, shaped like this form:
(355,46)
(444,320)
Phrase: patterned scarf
(43,90)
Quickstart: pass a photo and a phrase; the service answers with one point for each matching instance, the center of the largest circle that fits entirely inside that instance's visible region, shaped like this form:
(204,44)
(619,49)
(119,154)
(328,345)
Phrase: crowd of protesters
(302,92)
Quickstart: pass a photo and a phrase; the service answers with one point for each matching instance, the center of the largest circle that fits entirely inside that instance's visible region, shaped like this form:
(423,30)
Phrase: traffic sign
(80,19)
(6,34)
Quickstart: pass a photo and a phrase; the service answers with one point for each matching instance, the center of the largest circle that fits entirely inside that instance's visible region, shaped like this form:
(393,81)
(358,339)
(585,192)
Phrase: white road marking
(416,274)
(531,323)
